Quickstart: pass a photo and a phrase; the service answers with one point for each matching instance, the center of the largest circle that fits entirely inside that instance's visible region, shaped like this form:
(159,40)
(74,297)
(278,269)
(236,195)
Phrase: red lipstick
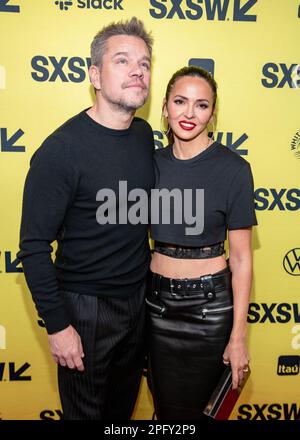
(187,125)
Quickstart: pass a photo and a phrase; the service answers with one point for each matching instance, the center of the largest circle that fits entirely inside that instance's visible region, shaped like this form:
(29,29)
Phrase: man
(92,297)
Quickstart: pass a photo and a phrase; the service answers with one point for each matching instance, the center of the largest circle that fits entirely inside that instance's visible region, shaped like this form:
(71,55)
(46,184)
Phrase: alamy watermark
(163,206)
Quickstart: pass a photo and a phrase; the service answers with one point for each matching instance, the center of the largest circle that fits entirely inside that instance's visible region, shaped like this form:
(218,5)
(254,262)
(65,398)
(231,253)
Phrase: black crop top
(224,200)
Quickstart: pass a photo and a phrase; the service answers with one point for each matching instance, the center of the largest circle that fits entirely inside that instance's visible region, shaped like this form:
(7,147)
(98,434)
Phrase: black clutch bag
(224,398)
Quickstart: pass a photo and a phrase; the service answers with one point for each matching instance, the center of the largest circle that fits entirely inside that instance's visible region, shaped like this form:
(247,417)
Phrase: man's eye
(146,66)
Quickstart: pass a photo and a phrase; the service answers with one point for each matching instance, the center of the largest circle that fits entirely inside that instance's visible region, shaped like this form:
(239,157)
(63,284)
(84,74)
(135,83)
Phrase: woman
(197,306)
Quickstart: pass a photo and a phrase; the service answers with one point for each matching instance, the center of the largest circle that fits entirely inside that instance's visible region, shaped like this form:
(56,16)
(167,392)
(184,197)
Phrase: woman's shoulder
(162,152)
(232,157)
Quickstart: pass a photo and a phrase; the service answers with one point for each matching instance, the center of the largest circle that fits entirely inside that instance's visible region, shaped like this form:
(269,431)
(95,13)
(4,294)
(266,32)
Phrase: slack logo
(288,365)
(64,5)
(5,6)
(65,69)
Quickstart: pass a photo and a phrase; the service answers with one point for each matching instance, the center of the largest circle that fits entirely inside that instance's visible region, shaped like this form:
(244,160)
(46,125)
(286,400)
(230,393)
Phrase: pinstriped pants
(113,339)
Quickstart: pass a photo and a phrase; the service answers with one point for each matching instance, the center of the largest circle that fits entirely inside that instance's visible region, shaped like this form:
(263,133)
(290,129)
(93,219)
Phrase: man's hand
(66,348)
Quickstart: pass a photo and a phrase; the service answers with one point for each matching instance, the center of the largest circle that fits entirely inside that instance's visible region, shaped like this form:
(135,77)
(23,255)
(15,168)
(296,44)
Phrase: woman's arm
(240,257)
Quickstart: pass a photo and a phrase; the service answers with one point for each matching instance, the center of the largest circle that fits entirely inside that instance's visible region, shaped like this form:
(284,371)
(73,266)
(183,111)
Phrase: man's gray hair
(133,27)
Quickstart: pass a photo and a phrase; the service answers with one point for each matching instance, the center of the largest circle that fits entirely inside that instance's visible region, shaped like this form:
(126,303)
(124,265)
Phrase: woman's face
(189,107)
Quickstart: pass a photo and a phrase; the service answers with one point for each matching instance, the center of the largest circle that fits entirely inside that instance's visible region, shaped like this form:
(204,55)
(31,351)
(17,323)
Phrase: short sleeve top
(195,201)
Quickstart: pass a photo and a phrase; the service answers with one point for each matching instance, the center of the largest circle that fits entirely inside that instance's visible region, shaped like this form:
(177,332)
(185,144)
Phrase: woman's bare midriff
(186,268)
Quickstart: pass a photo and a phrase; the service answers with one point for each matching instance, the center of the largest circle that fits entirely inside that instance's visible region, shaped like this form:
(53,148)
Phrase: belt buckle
(208,287)
(180,284)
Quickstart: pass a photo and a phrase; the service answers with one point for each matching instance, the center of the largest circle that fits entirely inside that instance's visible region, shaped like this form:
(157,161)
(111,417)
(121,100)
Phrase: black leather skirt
(188,327)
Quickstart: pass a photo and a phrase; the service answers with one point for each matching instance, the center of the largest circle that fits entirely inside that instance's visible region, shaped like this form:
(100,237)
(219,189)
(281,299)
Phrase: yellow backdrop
(252,47)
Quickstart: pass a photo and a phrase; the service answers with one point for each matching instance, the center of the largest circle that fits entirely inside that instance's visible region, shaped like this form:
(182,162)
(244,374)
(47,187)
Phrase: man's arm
(49,190)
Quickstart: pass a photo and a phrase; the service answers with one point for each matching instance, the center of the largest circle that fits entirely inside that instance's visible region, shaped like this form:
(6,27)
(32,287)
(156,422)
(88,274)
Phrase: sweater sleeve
(49,189)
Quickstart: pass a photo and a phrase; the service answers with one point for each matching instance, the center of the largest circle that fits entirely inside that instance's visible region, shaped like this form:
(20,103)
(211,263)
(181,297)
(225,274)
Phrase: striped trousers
(112,335)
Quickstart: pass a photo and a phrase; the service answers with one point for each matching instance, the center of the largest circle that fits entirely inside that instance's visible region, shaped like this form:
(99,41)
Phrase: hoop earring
(165,132)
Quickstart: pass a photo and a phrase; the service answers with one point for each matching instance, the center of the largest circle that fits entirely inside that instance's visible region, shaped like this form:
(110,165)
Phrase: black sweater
(59,203)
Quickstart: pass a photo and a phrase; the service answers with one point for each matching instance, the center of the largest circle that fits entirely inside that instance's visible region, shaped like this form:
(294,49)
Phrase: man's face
(125,72)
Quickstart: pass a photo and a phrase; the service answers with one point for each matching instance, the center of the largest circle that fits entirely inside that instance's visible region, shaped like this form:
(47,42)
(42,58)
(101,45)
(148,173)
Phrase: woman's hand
(236,354)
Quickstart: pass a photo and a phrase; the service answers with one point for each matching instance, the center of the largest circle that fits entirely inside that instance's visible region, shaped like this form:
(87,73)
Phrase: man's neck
(110,117)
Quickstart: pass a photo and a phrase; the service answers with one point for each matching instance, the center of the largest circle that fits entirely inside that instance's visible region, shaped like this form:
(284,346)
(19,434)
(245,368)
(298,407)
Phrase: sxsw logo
(291,262)
(6,6)
(282,199)
(228,139)
(274,313)
(65,69)
(11,263)
(51,414)
(281,75)
(10,372)
(65,5)
(210,9)
(2,337)
(269,411)
(288,365)
(8,142)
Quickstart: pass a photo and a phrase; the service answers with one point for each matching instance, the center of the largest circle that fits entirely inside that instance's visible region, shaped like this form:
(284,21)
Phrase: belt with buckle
(209,285)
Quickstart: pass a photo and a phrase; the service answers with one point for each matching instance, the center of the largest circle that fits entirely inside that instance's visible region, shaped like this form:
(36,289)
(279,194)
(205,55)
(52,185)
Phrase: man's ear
(95,77)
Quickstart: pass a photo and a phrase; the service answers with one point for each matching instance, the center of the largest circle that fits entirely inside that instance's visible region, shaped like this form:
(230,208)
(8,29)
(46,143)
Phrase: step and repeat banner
(252,49)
